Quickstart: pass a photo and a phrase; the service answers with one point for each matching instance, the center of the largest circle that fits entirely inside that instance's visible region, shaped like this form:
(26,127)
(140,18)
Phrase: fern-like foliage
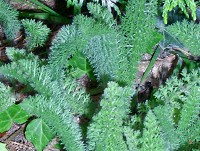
(101,13)
(132,138)
(138,27)
(167,126)
(31,73)
(63,46)
(105,67)
(140,32)
(56,104)
(6,97)
(76,97)
(174,124)
(189,116)
(185,99)
(110,41)
(97,41)
(188,34)
(77,5)
(109,4)
(15,54)
(106,130)
(89,27)
(56,114)
(182,4)
(9,20)
(152,138)
(105,46)
(36,33)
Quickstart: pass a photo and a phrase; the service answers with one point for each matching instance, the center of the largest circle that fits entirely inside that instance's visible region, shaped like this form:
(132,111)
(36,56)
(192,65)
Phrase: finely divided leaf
(9,20)
(6,97)
(106,130)
(36,33)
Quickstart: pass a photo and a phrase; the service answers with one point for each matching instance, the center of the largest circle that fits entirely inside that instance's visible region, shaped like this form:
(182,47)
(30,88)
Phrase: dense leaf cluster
(113,51)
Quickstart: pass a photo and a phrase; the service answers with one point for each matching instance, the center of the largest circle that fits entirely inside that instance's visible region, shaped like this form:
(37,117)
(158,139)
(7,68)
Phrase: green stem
(151,63)
(44,7)
(45,16)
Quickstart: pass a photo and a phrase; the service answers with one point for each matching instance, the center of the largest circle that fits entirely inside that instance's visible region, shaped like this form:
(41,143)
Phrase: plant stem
(45,16)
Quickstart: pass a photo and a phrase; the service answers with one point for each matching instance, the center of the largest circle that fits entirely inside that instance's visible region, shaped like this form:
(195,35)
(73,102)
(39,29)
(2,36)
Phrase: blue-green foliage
(56,113)
(76,96)
(179,94)
(152,138)
(132,138)
(174,124)
(189,115)
(167,126)
(105,67)
(36,33)
(188,34)
(9,20)
(104,45)
(63,46)
(30,73)
(97,41)
(55,103)
(15,54)
(39,77)
(101,13)
(106,130)
(114,53)
(138,26)
(6,97)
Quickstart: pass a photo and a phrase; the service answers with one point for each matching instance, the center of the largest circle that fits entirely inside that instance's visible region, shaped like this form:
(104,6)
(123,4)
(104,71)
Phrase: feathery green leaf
(106,130)
(188,33)
(36,33)
(56,114)
(6,97)
(9,20)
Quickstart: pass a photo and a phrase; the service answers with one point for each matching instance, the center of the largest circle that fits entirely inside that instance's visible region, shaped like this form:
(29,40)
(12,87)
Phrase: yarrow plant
(110,52)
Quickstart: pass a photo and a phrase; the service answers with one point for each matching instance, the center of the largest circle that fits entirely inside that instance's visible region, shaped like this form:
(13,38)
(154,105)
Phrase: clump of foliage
(188,34)
(6,97)
(8,19)
(36,33)
(109,121)
(169,5)
(180,110)
(112,51)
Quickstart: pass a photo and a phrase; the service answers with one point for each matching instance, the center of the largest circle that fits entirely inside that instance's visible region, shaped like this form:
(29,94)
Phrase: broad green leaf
(14,114)
(3,147)
(38,133)
(80,62)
